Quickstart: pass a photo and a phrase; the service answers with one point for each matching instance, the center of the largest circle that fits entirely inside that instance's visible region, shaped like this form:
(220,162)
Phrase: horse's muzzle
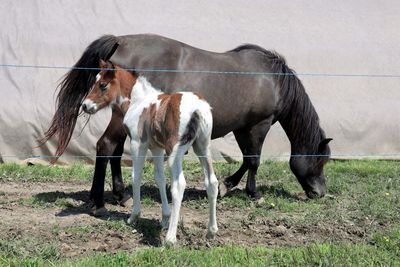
(315,193)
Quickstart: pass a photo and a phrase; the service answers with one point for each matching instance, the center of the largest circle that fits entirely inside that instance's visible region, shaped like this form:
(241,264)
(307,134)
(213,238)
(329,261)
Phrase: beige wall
(362,114)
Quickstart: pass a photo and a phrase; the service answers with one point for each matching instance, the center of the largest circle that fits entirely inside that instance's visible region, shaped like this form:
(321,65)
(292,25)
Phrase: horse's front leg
(119,192)
(106,146)
(158,160)
(138,151)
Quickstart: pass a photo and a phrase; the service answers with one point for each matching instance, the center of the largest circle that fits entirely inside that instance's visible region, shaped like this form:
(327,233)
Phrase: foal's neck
(143,89)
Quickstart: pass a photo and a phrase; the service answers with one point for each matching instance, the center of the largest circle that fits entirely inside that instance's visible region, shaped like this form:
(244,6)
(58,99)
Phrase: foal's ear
(323,144)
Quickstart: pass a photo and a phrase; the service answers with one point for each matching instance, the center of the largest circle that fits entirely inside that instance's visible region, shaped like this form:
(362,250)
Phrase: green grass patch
(15,250)
(363,195)
(312,255)
(48,200)
(38,173)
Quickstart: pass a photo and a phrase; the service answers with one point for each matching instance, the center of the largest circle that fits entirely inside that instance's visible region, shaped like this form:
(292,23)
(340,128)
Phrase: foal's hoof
(169,243)
(133,219)
(98,212)
(165,221)
(210,235)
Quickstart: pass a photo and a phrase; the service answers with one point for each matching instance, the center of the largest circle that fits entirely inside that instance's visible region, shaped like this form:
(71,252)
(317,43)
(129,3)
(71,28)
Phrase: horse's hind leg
(202,150)
(233,180)
(250,142)
(106,146)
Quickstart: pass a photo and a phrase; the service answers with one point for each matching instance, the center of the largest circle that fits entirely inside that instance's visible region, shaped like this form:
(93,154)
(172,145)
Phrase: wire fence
(209,72)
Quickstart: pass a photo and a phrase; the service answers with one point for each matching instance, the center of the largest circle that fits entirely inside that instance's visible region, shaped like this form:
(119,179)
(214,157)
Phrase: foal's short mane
(297,115)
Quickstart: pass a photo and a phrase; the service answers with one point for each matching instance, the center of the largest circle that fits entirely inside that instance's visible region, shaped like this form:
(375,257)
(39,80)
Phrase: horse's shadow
(276,191)
(148,229)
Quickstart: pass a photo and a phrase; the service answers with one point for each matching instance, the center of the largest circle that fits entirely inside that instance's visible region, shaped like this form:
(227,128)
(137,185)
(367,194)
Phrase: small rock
(280,229)
(260,201)
(65,247)
(101,248)
(301,196)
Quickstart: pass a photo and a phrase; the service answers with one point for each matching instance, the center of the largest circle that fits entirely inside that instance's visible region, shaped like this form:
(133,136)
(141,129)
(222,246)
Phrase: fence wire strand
(211,72)
(208,72)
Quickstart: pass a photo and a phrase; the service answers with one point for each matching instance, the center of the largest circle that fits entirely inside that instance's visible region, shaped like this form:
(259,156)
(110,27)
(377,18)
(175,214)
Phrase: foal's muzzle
(89,106)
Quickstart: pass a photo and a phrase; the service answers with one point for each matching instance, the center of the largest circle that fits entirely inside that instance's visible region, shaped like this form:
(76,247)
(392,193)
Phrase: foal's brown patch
(162,124)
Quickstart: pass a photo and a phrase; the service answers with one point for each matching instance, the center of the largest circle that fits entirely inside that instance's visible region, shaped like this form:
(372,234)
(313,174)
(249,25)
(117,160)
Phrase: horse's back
(224,79)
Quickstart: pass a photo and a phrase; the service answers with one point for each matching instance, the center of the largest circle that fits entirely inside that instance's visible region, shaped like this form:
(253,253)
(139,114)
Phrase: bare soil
(70,227)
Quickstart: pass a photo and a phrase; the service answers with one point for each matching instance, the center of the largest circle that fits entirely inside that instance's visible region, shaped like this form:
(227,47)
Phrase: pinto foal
(169,123)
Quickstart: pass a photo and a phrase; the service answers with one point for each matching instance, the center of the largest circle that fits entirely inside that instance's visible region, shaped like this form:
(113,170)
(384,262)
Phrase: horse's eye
(103,86)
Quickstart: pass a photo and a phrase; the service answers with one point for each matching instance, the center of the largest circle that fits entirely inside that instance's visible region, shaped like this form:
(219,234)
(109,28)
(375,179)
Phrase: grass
(311,255)
(363,201)
(38,173)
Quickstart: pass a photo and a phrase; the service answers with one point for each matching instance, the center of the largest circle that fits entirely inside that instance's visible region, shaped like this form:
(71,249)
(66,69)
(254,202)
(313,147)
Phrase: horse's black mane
(74,88)
(297,115)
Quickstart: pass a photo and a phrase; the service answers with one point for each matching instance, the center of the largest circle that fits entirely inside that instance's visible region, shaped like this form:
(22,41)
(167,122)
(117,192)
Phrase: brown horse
(249,89)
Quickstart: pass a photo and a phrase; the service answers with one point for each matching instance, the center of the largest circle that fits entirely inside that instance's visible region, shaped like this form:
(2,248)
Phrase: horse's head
(309,170)
(112,87)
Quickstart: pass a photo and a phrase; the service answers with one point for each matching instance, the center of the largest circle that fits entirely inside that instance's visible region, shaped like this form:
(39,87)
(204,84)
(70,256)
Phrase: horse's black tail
(74,88)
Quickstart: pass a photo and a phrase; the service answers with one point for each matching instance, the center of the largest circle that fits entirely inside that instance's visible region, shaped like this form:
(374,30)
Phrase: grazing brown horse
(244,103)
(160,122)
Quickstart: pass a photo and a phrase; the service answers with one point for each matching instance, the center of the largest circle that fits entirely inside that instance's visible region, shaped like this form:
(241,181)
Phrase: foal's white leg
(177,189)
(202,150)
(138,157)
(158,159)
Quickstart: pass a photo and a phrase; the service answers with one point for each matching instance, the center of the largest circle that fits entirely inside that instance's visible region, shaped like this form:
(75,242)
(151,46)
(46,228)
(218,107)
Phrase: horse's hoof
(133,219)
(223,189)
(254,195)
(165,221)
(127,201)
(98,212)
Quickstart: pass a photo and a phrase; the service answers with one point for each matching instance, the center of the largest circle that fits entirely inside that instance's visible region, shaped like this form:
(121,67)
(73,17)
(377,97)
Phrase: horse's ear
(323,143)
(103,64)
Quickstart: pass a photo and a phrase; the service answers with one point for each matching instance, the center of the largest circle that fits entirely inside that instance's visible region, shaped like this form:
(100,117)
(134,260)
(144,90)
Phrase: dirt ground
(58,213)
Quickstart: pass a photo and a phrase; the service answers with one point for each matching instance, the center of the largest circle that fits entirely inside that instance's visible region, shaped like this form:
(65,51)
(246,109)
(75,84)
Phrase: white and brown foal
(169,123)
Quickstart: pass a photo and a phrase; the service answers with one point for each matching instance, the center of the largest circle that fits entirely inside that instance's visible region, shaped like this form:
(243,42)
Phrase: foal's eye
(103,86)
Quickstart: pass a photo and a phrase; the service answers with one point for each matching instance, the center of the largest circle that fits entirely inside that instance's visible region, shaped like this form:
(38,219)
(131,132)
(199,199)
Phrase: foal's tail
(74,88)
(199,125)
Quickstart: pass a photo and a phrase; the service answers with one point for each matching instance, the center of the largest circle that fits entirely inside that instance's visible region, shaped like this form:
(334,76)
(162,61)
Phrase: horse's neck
(143,90)
(301,124)
(303,139)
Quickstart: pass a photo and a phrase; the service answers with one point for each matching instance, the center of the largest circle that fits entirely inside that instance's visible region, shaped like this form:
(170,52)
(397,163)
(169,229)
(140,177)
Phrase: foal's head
(113,86)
